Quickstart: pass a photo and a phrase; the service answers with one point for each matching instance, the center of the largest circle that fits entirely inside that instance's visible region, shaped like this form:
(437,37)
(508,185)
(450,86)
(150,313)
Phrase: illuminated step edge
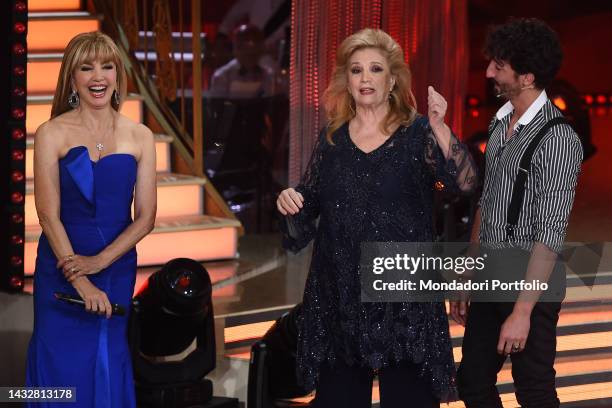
(162,154)
(177,195)
(55,5)
(565,340)
(60,15)
(571,386)
(53,30)
(38,110)
(201,237)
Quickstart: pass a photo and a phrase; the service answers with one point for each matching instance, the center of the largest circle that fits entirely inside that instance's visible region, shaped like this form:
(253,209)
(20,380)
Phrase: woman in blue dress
(89,163)
(371,179)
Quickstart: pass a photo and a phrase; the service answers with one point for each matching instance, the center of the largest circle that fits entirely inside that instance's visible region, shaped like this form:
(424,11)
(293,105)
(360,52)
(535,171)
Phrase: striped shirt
(551,184)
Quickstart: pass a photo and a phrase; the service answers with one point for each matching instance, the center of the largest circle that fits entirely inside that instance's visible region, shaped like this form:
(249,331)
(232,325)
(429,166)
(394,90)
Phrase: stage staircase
(184,227)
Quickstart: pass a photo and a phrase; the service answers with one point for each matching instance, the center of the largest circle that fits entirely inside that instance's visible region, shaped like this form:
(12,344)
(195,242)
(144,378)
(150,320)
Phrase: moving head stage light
(171,309)
(272,369)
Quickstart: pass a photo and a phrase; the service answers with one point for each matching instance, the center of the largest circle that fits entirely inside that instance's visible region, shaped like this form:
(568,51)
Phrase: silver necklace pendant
(100,147)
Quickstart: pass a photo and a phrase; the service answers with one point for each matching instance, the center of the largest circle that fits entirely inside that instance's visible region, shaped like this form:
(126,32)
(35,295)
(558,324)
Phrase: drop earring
(73,99)
(116,97)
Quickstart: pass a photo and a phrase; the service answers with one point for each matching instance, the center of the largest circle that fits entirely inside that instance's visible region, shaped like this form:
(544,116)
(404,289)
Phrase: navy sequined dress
(384,195)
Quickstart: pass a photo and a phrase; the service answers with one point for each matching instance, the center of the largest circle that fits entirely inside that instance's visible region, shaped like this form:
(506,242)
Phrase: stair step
(38,110)
(56,5)
(200,237)
(51,31)
(574,384)
(162,154)
(169,187)
(43,72)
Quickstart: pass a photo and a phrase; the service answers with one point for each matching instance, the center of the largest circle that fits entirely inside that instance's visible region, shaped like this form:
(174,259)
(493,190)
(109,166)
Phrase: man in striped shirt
(525,55)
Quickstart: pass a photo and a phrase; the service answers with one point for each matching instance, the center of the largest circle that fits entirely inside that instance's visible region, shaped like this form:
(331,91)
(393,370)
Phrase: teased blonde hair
(339,104)
(87,48)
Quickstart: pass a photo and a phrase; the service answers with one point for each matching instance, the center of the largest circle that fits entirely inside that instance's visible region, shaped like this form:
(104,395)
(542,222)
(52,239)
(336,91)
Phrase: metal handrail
(189,148)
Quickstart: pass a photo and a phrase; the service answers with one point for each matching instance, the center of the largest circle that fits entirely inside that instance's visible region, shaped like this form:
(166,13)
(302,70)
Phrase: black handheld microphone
(75,300)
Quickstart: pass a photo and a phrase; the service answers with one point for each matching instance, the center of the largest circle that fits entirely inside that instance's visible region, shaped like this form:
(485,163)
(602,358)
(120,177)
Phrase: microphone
(499,95)
(75,300)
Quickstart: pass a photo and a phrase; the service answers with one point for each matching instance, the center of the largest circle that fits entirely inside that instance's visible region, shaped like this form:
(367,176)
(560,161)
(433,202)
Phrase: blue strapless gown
(71,347)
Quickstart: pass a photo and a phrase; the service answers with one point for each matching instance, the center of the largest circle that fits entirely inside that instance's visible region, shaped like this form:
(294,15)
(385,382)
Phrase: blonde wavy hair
(87,48)
(338,102)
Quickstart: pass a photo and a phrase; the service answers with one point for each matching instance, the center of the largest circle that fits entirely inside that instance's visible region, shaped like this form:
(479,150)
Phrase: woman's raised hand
(436,107)
(289,202)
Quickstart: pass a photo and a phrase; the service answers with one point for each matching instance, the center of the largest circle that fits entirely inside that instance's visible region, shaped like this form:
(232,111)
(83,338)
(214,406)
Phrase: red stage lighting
(17,197)
(474,113)
(588,99)
(601,99)
(601,111)
(17,134)
(18,113)
(16,260)
(184,281)
(20,6)
(19,28)
(473,101)
(560,103)
(17,240)
(16,282)
(482,146)
(18,49)
(17,176)
(19,70)
(16,218)
(18,91)
(17,155)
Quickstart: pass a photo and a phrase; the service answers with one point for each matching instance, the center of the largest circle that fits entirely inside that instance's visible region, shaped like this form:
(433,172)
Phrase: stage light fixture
(601,99)
(17,134)
(473,101)
(560,103)
(17,197)
(17,155)
(16,260)
(13,145)
(18,49)
(19,28)
(172,337)
(272,369)
(18,113)
(21,7)
(16,282)
(16,218)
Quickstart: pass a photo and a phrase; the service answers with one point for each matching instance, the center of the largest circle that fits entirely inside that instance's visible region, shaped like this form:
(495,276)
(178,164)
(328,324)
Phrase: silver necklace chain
(100,145)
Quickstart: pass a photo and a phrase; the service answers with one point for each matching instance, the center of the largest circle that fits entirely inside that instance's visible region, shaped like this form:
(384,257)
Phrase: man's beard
(506,91)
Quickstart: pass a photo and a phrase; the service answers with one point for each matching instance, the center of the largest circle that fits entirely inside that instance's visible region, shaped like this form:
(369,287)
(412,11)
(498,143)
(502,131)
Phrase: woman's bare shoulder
(138,131)
(55,130)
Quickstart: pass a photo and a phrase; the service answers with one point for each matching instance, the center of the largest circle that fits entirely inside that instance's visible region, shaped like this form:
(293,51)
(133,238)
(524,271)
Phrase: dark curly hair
(529,45)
